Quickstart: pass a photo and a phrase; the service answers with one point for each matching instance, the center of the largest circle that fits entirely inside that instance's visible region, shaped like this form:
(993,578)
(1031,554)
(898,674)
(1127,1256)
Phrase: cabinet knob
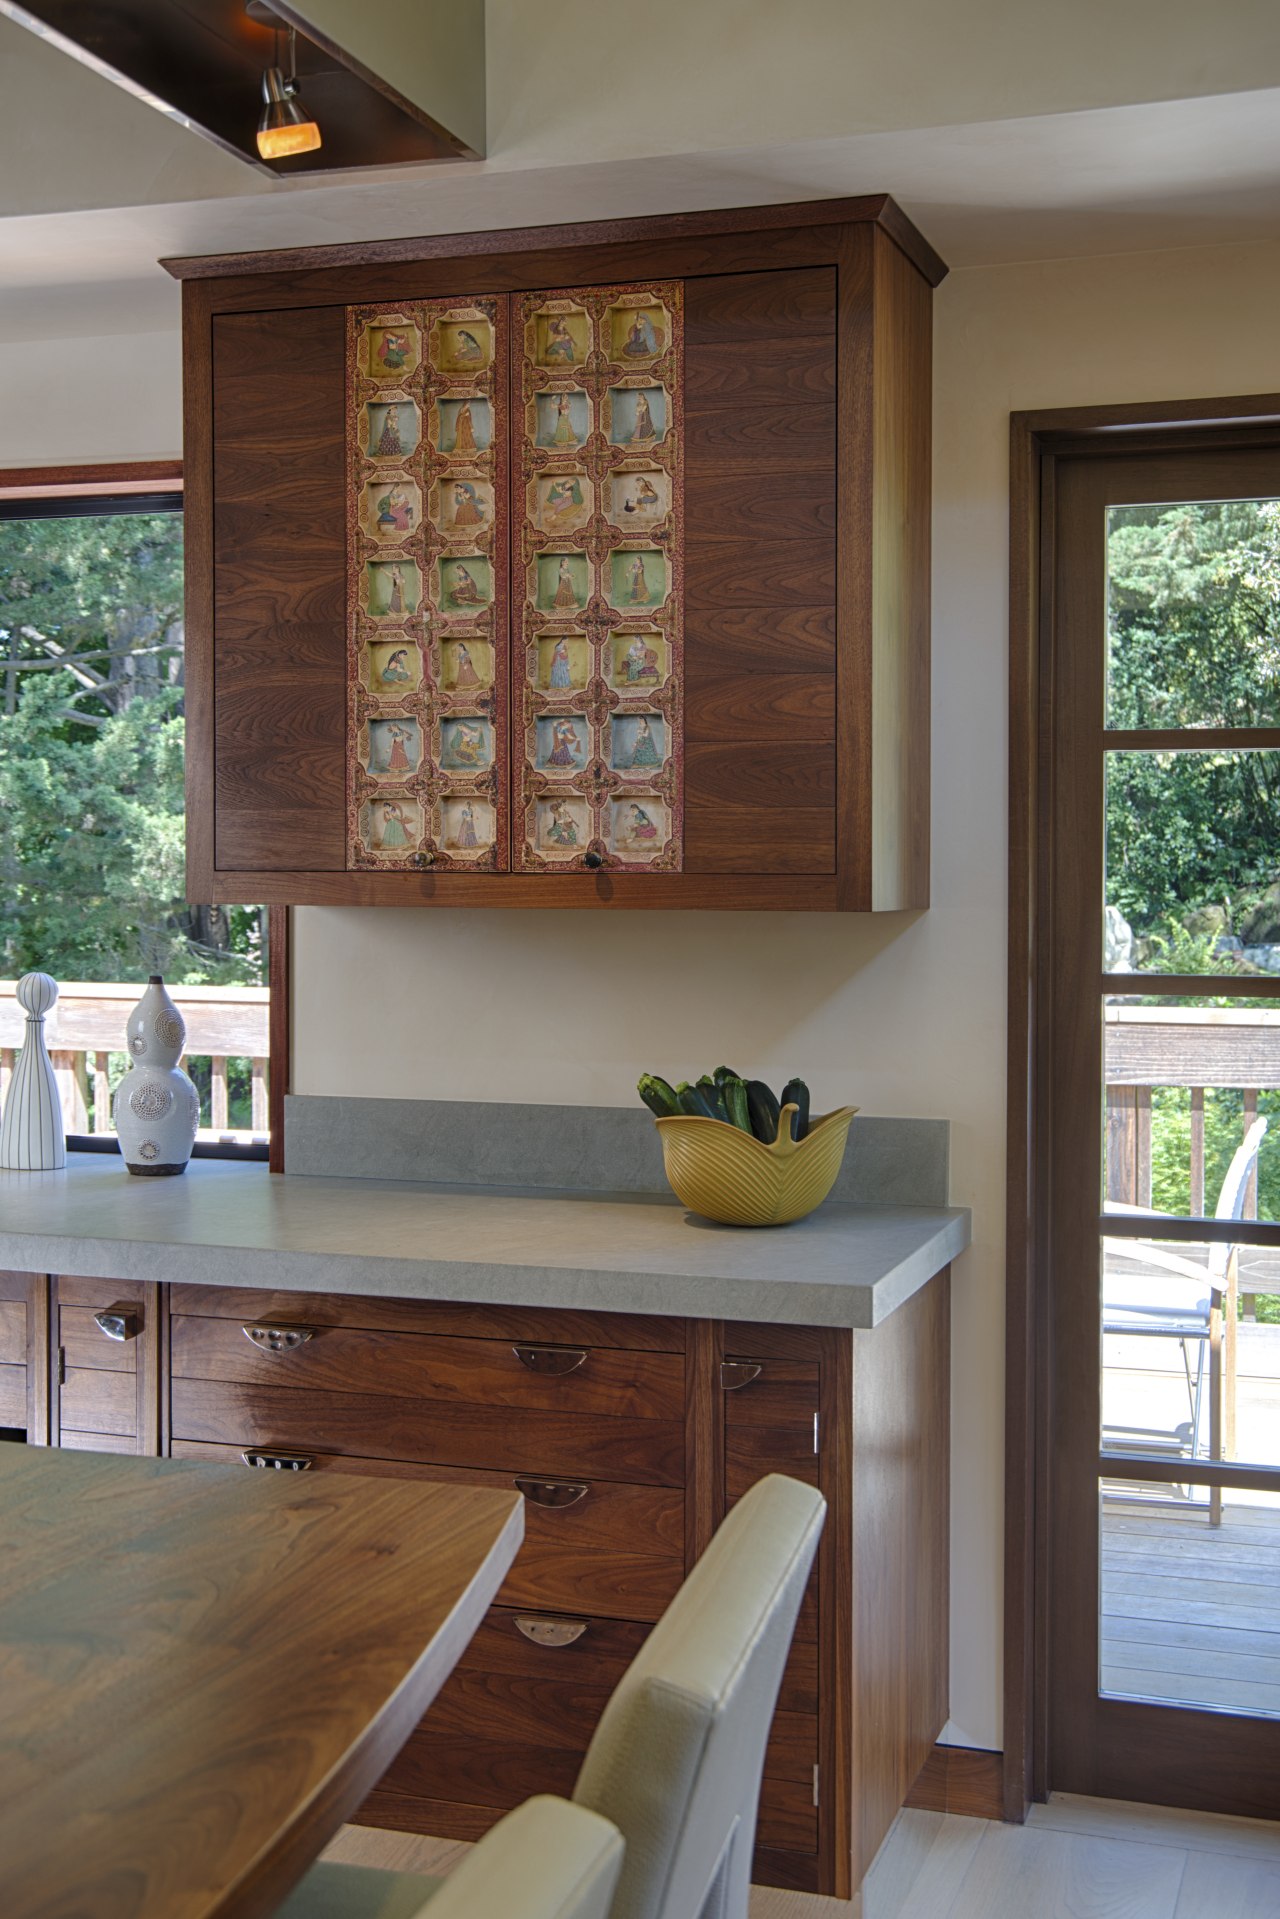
(279,1462)
(593,860)
(551,1361)
(552,1492)
(421,860)
(278,1339)
(737,1373)
(116,1323)
(551,1632)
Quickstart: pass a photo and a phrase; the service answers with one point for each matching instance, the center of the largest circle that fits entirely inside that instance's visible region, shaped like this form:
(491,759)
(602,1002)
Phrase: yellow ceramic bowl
(726,1175)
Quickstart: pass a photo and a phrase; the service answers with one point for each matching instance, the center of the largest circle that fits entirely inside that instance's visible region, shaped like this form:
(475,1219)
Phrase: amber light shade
(284,128)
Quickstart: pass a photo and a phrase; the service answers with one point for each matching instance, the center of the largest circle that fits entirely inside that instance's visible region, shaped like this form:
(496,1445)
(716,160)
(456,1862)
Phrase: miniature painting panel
(463,346)
(561,339)
(642,498)
(563,501)
(637,579)
(392,826)
(395,748)
(468,823)
(563,582)
(463,507)
(637,661)
(393,588)
(640,826)
(637,415)
(564,663)
(562,419)
(465,584)
(563,744)
(392,508)
(395,666)
(392,349)
(466,665)
(637,332)
(562,825)
(638,742)
(466,425)
(392,428)
(466,745)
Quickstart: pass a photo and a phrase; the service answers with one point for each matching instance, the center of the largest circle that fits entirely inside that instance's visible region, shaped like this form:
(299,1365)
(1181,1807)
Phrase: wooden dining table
(203,1670)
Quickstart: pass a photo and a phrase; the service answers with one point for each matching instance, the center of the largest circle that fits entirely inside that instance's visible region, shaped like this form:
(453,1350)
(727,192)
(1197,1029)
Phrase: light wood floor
(1074,1859)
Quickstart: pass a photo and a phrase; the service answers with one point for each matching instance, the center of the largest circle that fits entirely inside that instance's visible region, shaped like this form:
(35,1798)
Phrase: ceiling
(1008,129)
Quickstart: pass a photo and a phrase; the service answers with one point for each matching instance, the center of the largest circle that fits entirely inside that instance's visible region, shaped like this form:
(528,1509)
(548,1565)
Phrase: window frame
(44,489)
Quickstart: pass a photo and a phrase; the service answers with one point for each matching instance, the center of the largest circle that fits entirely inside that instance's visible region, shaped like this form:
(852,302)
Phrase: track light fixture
(285,127)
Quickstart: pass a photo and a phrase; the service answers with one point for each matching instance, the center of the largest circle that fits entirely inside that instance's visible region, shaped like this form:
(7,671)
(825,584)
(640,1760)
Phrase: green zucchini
(657,1095)
(723,1074)
(735,1098)
(715,1097)
(694,1101)
(763,1108)
(796,1093)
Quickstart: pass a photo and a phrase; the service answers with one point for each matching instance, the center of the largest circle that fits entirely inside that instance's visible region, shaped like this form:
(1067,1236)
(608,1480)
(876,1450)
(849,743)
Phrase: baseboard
(960,1779)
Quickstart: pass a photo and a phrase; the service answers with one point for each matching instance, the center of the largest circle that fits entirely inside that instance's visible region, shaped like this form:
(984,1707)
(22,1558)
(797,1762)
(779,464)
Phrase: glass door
(1163,915)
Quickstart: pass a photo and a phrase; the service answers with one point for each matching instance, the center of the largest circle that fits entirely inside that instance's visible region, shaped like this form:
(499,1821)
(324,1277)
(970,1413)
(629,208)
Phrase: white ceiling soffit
(1178,174)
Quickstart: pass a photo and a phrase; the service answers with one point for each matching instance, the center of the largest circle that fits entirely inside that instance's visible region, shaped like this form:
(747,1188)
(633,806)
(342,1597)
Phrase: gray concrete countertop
(225,1224)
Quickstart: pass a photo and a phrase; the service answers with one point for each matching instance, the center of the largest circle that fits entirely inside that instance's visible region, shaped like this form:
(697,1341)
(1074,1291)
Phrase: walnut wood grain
(458,1319)
(279,698)
(86,1345)
(716,498)
(770,809)
(13,1396)
(719,706)
(960,1779)
(203,1758)
(13,1332)
(508,1439)
(484,1372)
(100,1402)
(742,639)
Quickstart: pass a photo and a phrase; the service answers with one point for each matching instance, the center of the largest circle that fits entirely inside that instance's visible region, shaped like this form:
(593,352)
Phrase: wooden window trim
(110,479)
(1037,441)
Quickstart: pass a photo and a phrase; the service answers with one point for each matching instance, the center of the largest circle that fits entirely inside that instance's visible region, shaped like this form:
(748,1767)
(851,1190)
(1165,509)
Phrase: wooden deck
(1191,1612)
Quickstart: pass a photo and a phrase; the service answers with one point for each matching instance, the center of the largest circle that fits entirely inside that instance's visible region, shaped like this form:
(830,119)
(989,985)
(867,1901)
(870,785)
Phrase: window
(92,804)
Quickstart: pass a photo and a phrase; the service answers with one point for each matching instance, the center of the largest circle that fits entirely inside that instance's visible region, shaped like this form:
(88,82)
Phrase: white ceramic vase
(156,1108)
(31,1135)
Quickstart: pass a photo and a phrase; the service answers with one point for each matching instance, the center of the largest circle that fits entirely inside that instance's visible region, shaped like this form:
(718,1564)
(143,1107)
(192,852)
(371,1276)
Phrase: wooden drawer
(641,1332)
(770,1422)
(617,1550)
(97,1442)
(516,1718)
(500,1439)
(13,1396)
(99,1402)
(555,1376)
(13,1332)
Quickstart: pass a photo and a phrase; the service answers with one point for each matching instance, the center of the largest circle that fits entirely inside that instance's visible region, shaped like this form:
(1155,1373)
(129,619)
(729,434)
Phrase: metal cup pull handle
(117,1323)
(551,1632)
(278,1339)
(279,1462)
(553,1362)
(737,1373)
(552,1492)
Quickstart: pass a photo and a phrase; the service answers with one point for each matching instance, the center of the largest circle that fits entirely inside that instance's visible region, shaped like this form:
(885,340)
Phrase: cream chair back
(677,1757)
(545,1860)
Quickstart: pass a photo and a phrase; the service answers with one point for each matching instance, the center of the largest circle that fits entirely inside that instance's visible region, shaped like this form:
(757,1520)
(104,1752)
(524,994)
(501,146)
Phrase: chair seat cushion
(332,1891)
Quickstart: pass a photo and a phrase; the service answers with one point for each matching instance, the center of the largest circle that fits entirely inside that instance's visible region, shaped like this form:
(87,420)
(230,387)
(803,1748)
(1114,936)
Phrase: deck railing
(87,1026)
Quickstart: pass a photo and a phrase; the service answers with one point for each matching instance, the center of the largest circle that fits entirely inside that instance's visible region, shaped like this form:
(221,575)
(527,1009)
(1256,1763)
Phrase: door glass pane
(1192,862)
(1193,614)
(1187,1600)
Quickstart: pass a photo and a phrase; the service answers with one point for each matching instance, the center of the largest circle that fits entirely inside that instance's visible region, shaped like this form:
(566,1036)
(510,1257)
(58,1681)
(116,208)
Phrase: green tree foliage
(91,760)
(1194,641)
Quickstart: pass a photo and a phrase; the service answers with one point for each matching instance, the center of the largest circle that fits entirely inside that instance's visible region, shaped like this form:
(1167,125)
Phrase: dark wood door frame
(109,480)
(1038,440)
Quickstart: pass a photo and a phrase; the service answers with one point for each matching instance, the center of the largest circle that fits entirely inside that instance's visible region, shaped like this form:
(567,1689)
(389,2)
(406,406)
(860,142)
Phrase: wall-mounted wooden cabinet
(573,567)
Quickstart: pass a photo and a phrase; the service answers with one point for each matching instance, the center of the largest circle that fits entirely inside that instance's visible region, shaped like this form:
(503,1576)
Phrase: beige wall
(900,1015)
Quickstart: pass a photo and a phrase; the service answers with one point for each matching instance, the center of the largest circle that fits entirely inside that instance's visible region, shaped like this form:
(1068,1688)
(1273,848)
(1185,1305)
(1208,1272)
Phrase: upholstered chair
(677,1757)
(545,1860)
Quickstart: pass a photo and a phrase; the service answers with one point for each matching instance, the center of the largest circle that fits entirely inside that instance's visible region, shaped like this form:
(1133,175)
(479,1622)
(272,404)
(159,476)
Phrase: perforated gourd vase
(727,1175)
(156,1107)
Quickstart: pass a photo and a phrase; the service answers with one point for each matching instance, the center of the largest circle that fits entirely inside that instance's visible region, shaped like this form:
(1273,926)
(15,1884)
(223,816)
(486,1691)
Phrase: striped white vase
(31,1135)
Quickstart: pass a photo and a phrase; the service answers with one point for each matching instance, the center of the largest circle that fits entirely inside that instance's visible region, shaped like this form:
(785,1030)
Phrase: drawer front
(556,1377)
(769,1421)
(561,1326)
(13,1396)
(97,1442)
(13,1332)
(615,1549)
(98,1402)
(500,1439)
(84,1344)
